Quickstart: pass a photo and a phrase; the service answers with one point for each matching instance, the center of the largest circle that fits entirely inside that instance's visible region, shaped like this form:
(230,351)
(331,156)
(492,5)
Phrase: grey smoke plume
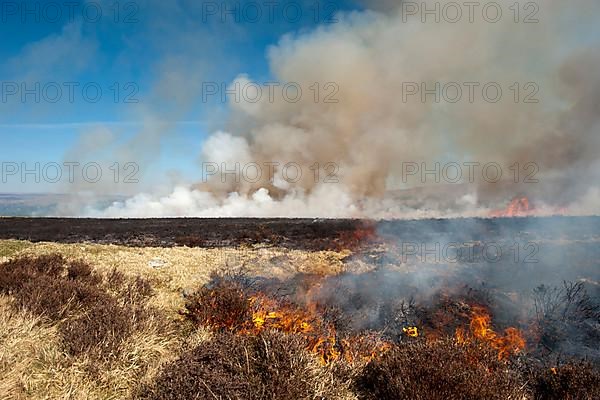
(373,129)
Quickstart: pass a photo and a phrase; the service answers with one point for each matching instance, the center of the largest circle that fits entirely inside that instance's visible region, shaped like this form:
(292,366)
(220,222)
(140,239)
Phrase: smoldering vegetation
(368,345)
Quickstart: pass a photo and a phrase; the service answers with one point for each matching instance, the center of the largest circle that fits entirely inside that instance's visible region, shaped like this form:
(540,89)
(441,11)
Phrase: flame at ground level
(322,339)
(510,343)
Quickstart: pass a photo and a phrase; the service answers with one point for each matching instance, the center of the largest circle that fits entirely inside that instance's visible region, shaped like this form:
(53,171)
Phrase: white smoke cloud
(371,130)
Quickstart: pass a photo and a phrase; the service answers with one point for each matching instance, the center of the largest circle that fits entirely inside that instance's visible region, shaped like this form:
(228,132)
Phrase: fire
(518,207)
(321,337)
(250,313)
(411,331)
(350,240)
(363,349)
(269,314)
(511,342)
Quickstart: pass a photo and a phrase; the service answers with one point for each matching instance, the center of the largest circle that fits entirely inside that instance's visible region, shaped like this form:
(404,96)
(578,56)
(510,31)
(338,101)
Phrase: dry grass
(69,332)
(9,248)
(185,269)
(32,365)
(25,342)
(36,364)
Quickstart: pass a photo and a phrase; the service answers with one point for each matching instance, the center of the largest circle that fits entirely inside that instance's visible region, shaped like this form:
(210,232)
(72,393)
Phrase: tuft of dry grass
(24,343)
(9,248)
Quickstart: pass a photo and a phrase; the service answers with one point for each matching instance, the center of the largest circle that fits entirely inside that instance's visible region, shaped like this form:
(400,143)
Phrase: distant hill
(38,204)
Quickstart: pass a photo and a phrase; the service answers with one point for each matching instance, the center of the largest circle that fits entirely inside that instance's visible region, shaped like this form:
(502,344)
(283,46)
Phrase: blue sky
(157,52)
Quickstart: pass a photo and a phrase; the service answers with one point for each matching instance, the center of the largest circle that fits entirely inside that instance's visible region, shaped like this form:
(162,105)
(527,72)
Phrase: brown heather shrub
(269,366)
(15,273)
(97,332)
(129,291)
(572,381)
(438,370)
(49,286)
(222,304)
(91,320)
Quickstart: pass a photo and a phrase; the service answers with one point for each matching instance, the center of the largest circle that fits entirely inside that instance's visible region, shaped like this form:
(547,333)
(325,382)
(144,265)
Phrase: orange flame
(511,342)
(411,331)
(518,207)
(321,337)
(268,313)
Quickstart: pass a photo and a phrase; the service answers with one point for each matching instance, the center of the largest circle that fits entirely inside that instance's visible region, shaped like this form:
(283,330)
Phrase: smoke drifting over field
(379,125)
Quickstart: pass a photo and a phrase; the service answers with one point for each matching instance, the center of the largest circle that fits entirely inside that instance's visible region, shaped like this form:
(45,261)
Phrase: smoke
(362,129)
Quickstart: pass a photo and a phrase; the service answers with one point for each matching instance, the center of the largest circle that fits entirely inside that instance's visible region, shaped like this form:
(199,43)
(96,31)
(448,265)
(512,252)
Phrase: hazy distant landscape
(38,204)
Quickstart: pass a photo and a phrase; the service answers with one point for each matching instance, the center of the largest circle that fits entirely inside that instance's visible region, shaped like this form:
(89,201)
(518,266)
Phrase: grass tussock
(9,248)
(24,341)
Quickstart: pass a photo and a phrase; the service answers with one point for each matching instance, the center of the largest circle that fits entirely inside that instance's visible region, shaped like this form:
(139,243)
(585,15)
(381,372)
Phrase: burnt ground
(309,234)
(192,232)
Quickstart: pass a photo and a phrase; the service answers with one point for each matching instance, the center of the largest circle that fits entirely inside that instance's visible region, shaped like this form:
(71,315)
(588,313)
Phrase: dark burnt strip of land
(310,234)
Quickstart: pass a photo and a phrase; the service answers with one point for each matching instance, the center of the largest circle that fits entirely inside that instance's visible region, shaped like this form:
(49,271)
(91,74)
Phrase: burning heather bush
(511,342)
(235,303)
(441,369)
(91,320)
(444,345)
(270,365)
(383,333)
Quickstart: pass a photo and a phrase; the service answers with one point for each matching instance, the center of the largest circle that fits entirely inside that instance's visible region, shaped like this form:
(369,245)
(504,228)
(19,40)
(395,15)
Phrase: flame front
(269,314)
(518,207)
(511,342)
(321,337)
